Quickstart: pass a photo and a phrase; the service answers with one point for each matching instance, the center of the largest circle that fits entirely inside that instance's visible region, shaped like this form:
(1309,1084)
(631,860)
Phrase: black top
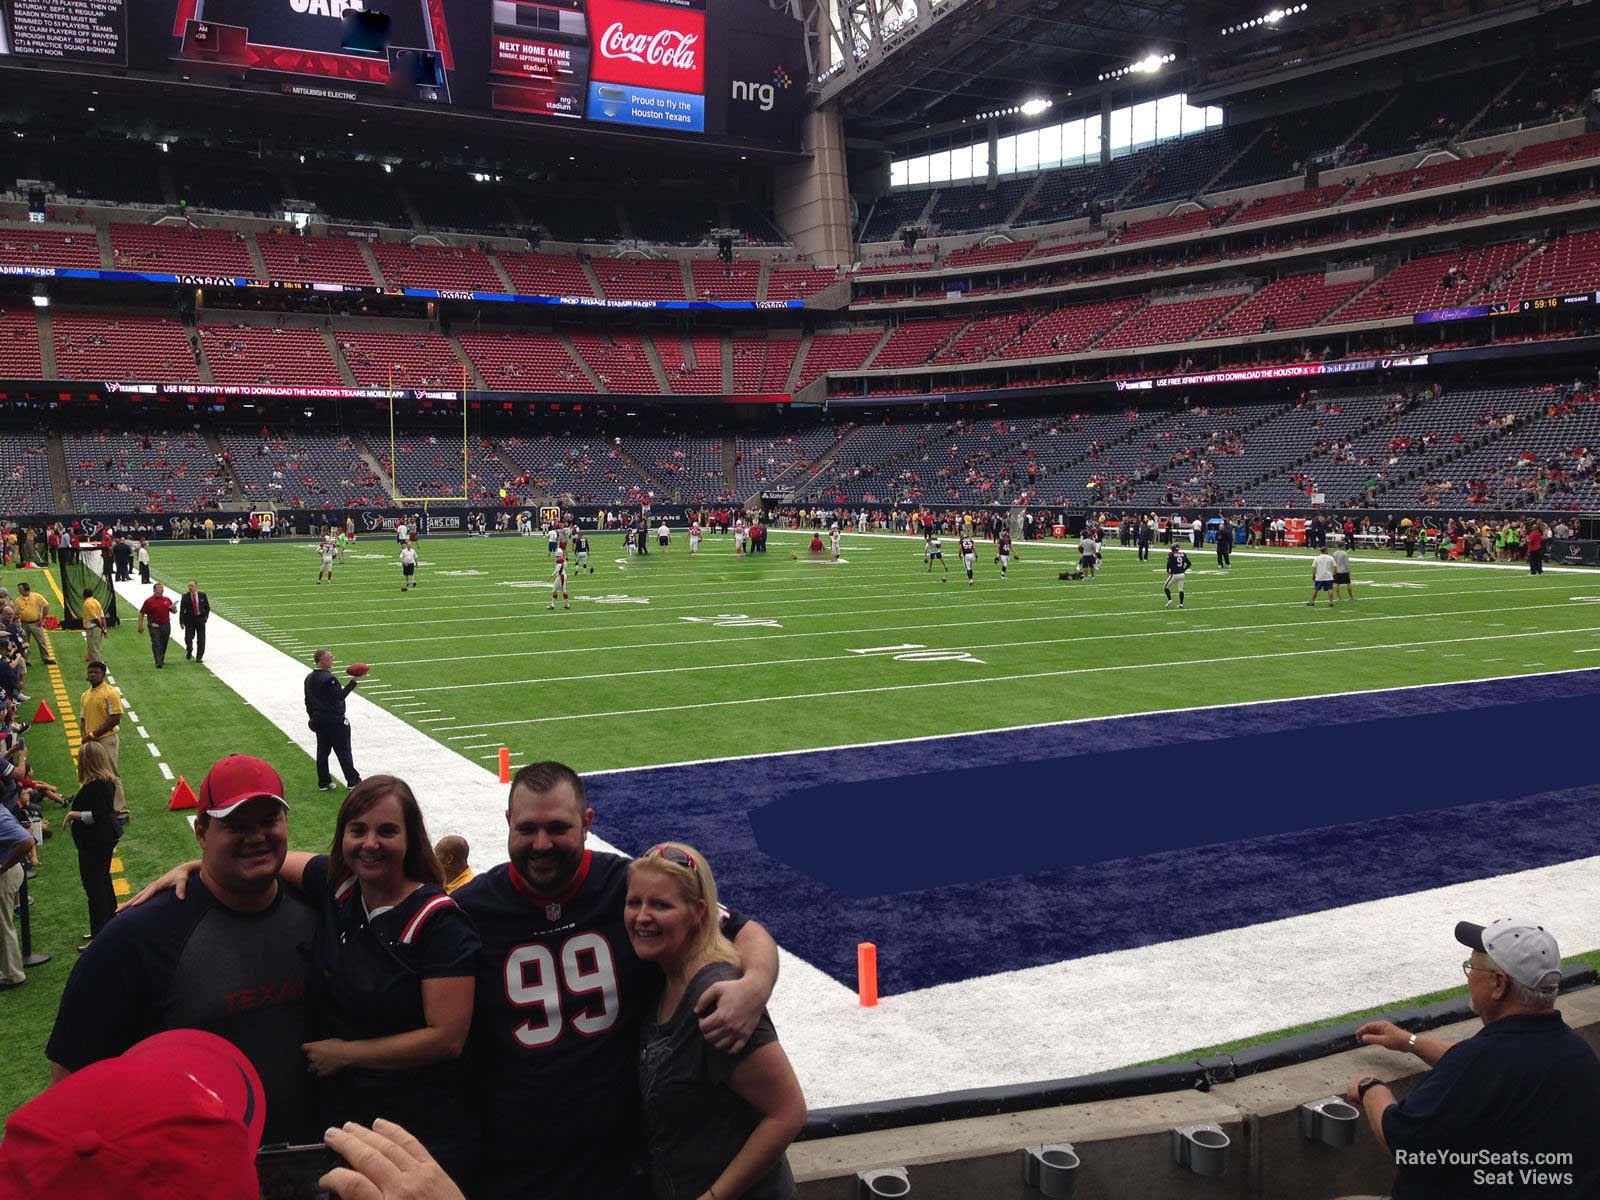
(556,1019)
(695,1121)
(366,982)
(1519,1088)
(325,696)
(1177,562)
(98,799)
(194,964)
(190,613)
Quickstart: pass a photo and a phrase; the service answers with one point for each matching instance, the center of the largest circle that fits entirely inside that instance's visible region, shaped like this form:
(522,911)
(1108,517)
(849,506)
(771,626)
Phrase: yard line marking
(133,716)
(151,746)
(855,656)
(1071,671)
(166,771)
(143,732)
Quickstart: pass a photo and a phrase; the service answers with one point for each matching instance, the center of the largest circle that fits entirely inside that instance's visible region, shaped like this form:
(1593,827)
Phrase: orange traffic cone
(43,716)
(182,797)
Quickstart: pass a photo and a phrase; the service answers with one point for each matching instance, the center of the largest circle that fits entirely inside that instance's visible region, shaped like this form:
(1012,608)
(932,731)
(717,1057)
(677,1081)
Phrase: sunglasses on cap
(673,855)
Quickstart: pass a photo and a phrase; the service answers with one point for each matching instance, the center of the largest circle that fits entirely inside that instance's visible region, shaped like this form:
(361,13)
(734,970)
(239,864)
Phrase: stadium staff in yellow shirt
(32,609)
(94,626)
(452,854)
(100,714)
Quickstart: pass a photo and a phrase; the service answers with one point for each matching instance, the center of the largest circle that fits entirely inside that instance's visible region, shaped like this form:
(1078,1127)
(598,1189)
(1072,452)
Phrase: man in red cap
(230,957)
(180,1113)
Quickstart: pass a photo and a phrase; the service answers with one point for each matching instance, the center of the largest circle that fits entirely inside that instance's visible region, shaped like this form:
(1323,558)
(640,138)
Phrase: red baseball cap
(234,780)
(177,1116)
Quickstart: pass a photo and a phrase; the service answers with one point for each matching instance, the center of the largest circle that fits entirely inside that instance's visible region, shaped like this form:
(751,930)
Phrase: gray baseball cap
(1519,947)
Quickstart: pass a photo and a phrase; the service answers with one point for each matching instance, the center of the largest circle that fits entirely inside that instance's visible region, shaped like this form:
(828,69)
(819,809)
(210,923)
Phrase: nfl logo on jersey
(552,912)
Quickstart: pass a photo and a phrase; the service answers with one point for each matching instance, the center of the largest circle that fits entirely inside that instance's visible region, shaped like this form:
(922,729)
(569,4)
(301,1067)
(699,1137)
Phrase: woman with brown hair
(91,815)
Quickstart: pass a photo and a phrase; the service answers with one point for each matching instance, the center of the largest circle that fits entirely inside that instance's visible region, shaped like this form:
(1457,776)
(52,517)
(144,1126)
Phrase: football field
(670,658)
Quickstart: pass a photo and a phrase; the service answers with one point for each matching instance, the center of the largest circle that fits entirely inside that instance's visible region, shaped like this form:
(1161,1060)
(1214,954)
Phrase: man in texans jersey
(580,546)
(1177,568)
(560,998)
(1003,551)
(969,553)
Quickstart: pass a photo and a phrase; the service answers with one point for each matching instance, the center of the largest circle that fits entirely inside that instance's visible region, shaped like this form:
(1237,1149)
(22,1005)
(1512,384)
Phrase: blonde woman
(718,1123)
(92,817)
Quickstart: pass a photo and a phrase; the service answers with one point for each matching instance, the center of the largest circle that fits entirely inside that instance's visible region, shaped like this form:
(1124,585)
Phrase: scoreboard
(708,68)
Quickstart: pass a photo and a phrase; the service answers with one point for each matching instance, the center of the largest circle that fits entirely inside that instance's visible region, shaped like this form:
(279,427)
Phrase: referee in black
(1142,534)
(325,714)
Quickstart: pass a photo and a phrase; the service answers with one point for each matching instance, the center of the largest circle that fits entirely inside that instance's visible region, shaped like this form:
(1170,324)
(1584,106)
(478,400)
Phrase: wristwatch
(1411,1043)
(1371,1081)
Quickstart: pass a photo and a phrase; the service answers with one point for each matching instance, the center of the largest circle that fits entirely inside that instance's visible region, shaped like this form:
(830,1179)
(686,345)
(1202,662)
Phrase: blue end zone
(1021,849)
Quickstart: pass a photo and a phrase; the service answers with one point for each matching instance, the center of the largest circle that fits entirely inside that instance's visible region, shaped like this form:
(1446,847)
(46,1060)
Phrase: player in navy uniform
(1177,568)
(969,553)
(1002,554)
(560,999)
(580,546)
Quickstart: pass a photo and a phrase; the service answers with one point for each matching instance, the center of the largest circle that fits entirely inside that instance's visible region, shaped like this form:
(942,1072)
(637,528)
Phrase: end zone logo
(648,45)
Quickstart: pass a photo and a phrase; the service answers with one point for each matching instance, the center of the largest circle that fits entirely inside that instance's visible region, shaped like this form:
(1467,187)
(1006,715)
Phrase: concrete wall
(1126,1146)
(812,199)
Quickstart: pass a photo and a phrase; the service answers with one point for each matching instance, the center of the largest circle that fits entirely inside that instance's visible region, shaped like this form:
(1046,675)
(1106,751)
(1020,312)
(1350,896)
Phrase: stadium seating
(618,361)
(780,462)
(796,282)
(1420,284)
(121,171)
(314,259)
(155,471)
(1183,167)
(1294,139)
(890,213)
(978,206)
(19,344)
(1164,323)
(1070,329)
(254,354)
(24,471)
(1416,179)
(41,246)
(361,193)
(462,203)
(690,468)
(459,268)
(984,337)
(1545,154)
(717,280)
(382,359)
(589,470)
(123,348)
(914,342)
(705,376)
(180,249)
(761,362)
(517,361)
(989,253)
(1566,264)
(546,274)
(302,470)
(1285,204)
(247,185)
(1291,303)
(639,278)
(429,464)
(1179,223)
(842,351)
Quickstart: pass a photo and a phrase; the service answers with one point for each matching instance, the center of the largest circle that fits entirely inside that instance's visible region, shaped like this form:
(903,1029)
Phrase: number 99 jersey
(555,1034)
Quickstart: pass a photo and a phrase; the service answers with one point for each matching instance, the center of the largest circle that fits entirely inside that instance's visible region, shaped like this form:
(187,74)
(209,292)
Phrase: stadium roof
(921,63)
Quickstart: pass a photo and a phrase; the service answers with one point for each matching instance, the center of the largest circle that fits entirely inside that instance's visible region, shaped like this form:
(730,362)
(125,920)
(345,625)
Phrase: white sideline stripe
(1185,631)
(1055,614)
(143,732)
(166,771)
(947,683)
(154,750)
(132,716)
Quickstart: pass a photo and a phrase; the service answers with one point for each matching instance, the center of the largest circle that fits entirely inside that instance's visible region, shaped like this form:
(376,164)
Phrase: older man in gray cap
(1512,1110)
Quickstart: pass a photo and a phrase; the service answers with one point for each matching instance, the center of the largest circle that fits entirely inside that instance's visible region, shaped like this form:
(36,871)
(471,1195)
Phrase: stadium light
(1032,108)
(1150,64)
(1028,108)
(1274,18)
(40,300)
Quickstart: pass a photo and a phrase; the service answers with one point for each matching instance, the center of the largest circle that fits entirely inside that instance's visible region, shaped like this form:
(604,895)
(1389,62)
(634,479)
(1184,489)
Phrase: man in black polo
(229,958)
(1511,1111)
(325,714)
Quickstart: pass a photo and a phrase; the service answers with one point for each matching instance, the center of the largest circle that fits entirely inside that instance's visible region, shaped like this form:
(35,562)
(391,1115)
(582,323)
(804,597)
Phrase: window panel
(1169,118)
(1093,139)
(899,175)
(1194,119)
(1144,124)
(1121,131)
(1050,146)
(919,170)
(1005,155)
(1213,118)
(1028,150)
(939,167)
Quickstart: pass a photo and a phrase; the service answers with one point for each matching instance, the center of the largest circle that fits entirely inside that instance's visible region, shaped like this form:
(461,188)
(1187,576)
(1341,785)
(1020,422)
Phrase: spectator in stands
(180,1113)
(452,852)
(184,963)
(194,610)
(718,1122)
(325,700)
(1524,1083)
(32,609)
(156,613)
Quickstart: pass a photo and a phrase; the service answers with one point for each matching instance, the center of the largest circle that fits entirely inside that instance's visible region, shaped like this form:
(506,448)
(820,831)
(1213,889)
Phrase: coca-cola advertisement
(649,64)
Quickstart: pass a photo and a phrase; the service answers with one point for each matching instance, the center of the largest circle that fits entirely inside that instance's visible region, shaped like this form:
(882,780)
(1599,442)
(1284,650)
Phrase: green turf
(615,683)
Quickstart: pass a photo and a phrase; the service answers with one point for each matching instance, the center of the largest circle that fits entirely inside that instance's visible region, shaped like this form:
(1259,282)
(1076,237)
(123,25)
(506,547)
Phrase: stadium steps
(653,357)
(730,465)
(332,343)
(1033,190)
(371,260)
(823,462)
(47,344)
(500,272)
(661,488)
(60,479)
(492,451)
(1394,98)
(374,461)
(1511,271)
(1126,317)
(1271,413)
(1244,299)
(594,282)
(466,359)
(883,341)
(198,349)
(1454,451)
(108,260)
(726,342)
(799,362)
(1465,132)
(256,259)
(578,358)
(235,486)
(1208,185)
(761,294)
(687,276)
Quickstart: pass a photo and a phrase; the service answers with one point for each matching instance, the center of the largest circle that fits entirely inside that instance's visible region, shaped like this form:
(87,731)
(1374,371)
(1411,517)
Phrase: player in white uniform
(408,568)
(560,588)
(738,538)
(833,541)
(552,539)
(969,555)
(694,538)
(934,552)
(401,534)
(326,549)
(1088,553)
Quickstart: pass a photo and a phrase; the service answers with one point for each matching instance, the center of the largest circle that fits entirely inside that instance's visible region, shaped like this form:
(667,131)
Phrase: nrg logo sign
(763,95)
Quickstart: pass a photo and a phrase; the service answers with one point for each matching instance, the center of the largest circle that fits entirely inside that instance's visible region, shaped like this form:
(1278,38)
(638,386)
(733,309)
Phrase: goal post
(400,496)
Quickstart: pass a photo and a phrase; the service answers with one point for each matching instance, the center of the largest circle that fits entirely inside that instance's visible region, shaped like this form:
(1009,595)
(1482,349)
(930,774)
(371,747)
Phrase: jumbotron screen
(731,68)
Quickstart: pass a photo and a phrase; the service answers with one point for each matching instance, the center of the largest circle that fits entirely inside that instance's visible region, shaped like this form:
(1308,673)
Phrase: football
(357,670)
